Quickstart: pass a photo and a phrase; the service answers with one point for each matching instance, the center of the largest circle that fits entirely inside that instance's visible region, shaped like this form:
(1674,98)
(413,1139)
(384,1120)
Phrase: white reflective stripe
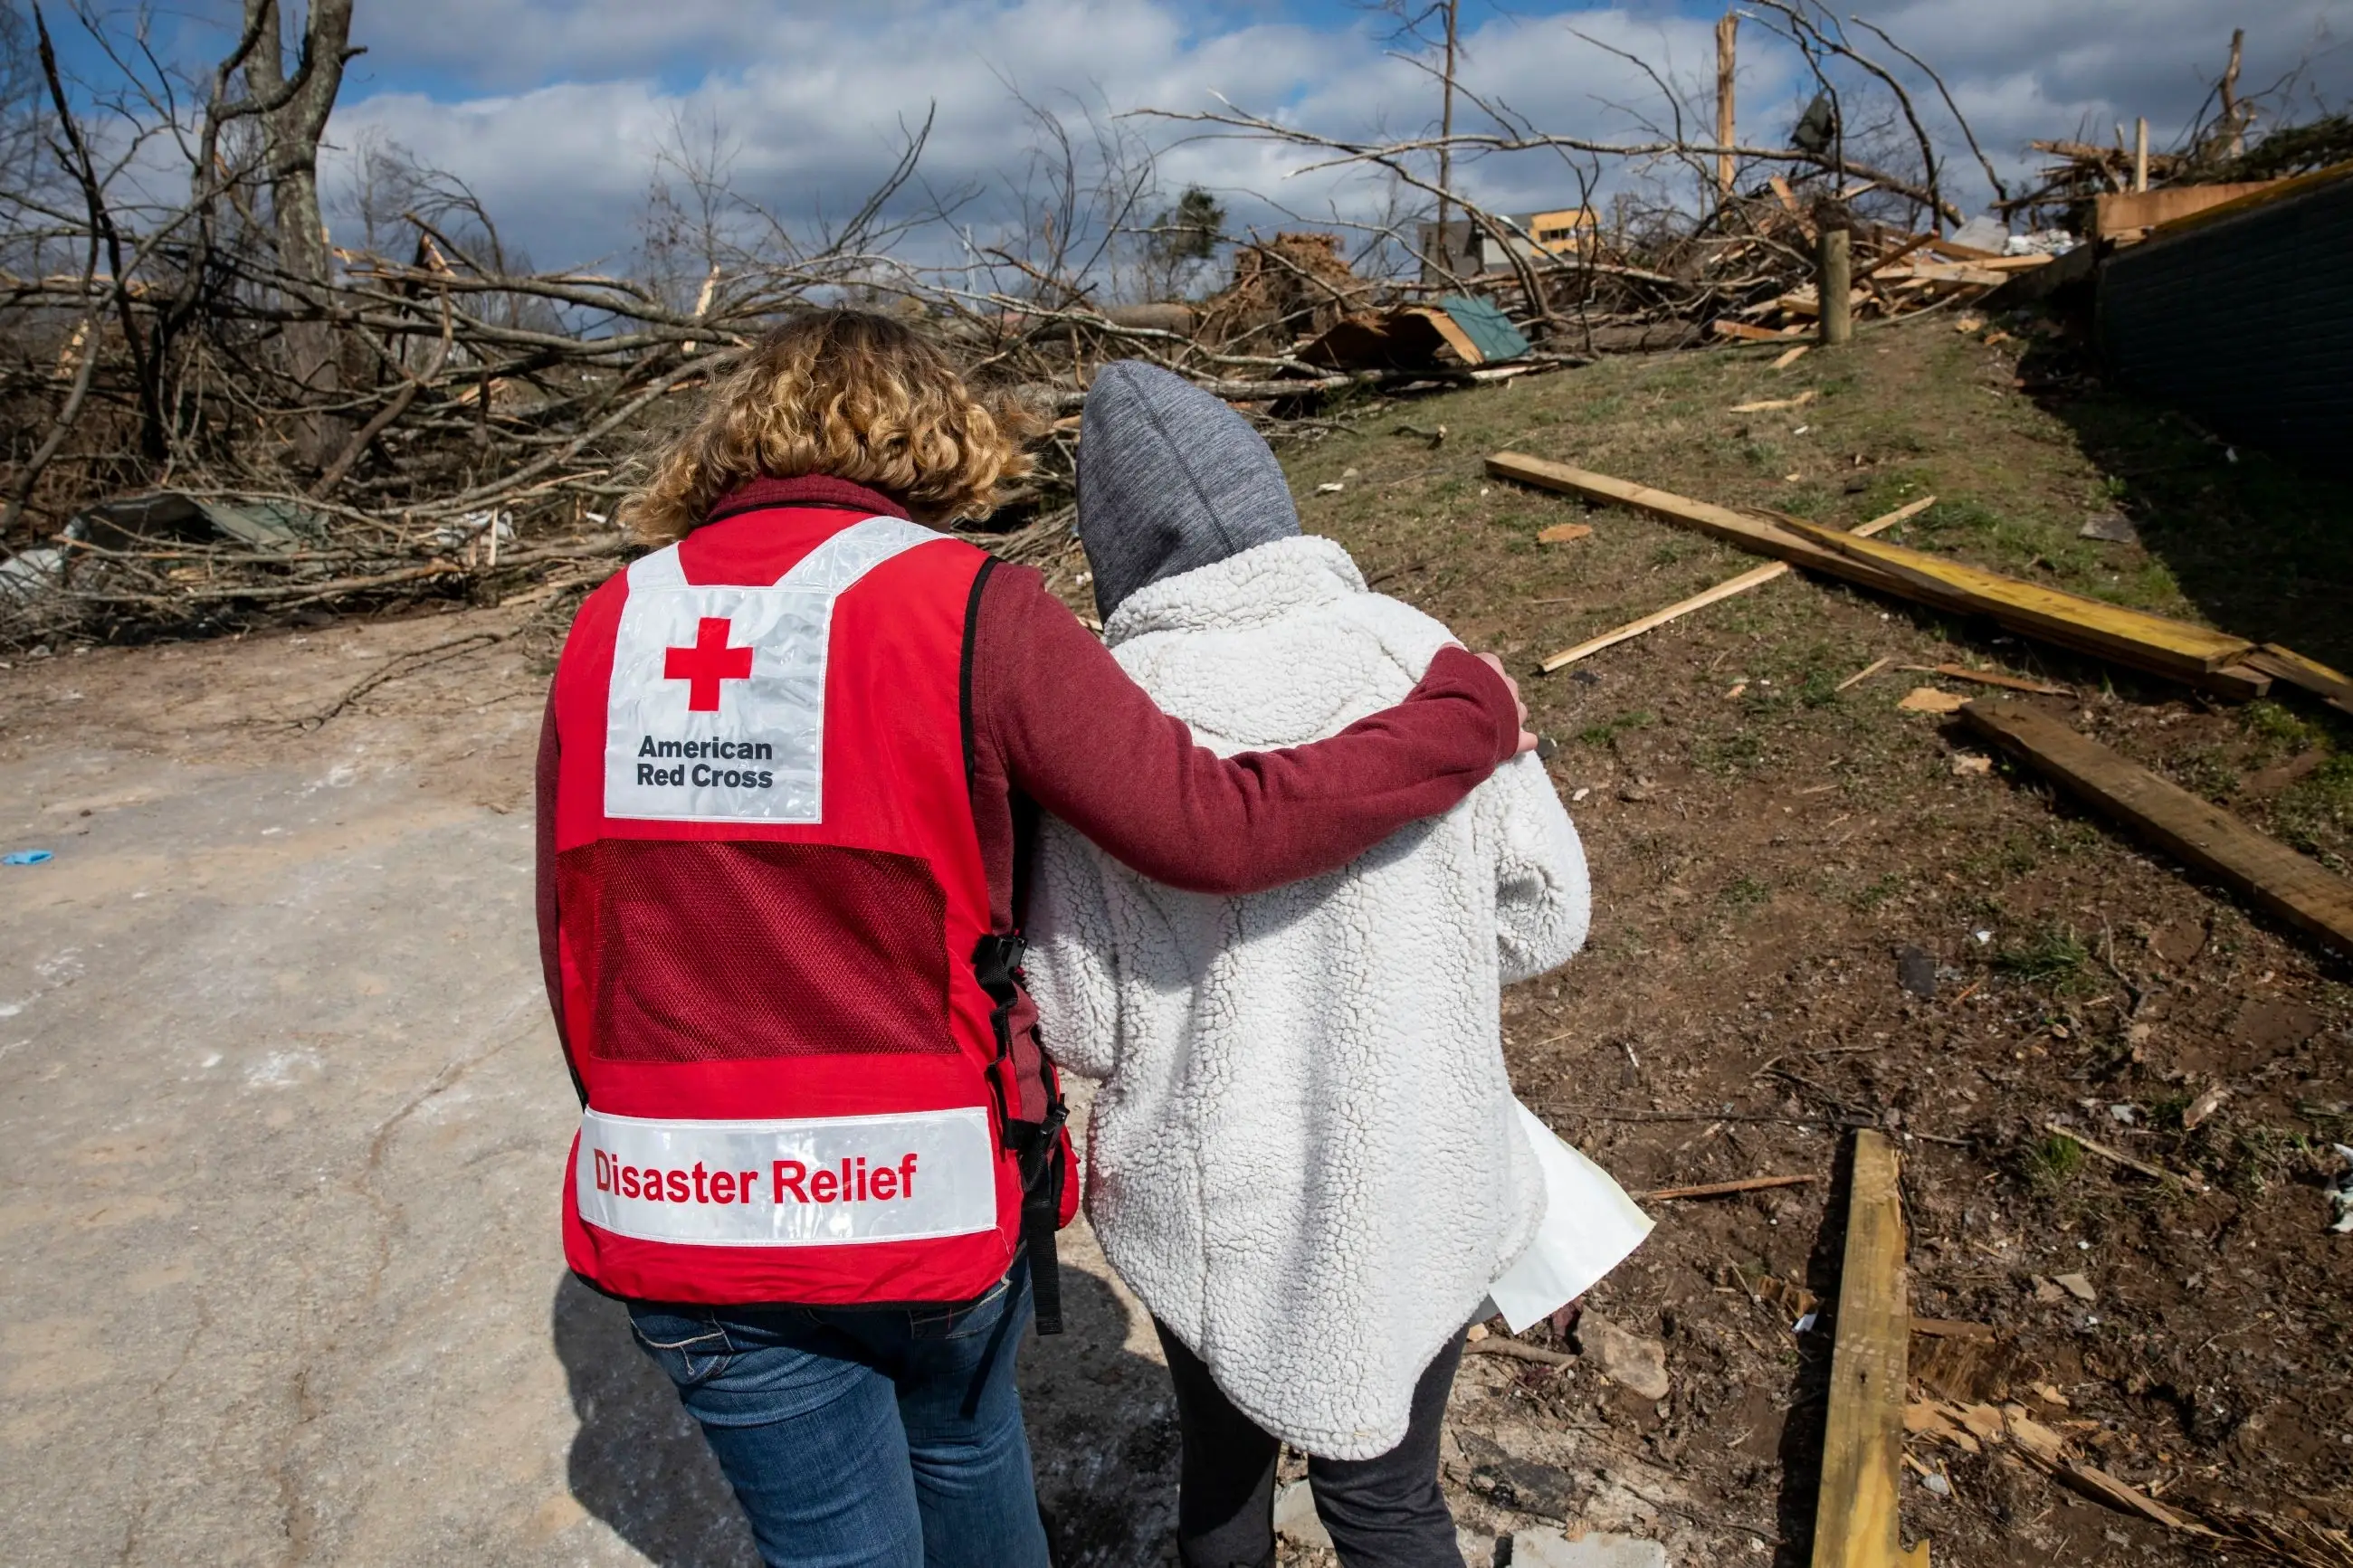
(822,1182)
(854,552)
(716,710)
(662,569)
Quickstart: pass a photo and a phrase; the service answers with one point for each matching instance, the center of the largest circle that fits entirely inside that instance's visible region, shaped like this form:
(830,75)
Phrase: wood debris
(1862,1445)
(1994,677)
(1770,403)
(1726,1189)
(1755,577)
(2269,874)
(1929,699)
(2115,1157)
(1564,534)
(2180,650)
(1866,673)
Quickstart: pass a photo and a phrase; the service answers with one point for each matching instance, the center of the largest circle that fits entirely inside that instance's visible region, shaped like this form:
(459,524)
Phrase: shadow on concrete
(1101,1421)
(639,1461)
(1102,1434)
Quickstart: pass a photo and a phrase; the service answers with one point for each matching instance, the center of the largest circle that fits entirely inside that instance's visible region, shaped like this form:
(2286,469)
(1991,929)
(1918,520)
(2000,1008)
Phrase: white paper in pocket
(1589,1227)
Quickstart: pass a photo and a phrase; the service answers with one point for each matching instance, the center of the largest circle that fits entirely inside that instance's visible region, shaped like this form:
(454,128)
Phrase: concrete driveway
(281,1123)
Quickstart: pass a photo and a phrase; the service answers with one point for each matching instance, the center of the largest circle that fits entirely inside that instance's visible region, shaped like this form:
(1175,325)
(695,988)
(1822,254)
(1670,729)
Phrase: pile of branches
(2217,149)
(211,416)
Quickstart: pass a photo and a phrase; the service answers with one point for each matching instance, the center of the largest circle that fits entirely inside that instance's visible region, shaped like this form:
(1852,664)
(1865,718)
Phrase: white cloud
(555,111)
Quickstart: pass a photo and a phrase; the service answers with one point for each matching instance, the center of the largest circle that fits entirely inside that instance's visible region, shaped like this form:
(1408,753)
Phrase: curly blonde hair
(850,395)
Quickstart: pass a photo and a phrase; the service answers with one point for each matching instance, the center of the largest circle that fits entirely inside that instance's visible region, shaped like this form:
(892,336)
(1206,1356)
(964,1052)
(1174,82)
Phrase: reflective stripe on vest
(823,1181)
(716,712)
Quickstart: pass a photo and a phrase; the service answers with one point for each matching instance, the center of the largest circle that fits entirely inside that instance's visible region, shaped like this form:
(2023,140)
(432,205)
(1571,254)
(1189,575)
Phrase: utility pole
(1445,137)
(1727,34)
(1832,277)
(2140,153)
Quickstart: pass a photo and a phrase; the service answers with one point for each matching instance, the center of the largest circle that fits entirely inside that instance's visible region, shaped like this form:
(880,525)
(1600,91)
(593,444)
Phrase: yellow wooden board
(2175,647)
(2268,873)
(1862,1447)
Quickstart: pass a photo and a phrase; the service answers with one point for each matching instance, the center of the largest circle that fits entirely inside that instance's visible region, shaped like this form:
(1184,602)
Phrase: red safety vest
(785,1007)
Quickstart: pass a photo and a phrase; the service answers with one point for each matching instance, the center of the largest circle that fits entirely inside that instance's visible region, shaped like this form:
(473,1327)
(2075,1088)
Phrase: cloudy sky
(555,109)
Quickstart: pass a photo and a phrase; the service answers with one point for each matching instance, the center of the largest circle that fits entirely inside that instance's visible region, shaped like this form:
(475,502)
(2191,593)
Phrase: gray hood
(1169,479)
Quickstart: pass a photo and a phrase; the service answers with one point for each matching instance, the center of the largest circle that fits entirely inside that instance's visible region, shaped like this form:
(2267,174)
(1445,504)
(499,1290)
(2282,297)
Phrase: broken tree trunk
(2266,872)
(292,134)
(1863,1448)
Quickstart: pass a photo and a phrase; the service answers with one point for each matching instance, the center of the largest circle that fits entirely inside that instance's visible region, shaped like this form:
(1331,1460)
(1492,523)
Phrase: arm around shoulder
(1081,738)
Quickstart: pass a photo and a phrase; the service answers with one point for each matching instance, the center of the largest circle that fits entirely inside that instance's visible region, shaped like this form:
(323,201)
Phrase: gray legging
(1383,1512)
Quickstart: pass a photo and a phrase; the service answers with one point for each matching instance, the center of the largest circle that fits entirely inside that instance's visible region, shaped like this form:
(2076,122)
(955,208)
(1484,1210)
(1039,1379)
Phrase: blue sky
(556,111)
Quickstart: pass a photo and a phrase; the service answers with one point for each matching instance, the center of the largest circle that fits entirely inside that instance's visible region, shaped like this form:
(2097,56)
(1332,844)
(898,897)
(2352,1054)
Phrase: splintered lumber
(2117,1156)
(1496,1345)
(1863,1448)
(1726,1189)
(2176,649)
(1754,533)
(1755,576)
(2267,873)
(1725,327)
(1995,678)
(2150,642)
(2287,665)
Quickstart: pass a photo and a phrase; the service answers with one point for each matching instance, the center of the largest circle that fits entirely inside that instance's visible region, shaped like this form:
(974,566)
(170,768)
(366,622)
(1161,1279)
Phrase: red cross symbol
(707,663)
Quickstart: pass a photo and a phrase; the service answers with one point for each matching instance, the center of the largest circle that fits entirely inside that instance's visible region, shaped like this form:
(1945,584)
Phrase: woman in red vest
(786,785)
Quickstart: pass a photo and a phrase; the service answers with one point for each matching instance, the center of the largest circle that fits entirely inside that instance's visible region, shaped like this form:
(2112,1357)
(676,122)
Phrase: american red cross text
(708,662)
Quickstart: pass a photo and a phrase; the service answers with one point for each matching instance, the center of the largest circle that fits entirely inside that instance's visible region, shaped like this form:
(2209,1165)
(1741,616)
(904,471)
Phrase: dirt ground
(1765,843)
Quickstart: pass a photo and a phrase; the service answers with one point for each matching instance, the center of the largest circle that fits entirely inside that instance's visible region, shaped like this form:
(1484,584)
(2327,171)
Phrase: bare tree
(291,131)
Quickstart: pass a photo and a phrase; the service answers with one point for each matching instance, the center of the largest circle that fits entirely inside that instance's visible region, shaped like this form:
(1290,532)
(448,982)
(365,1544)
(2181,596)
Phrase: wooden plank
(1751,533)
(1994,677)
(2267,873)
(2308,675)
(2264,194)
(2176,649)
(1723,326)
(1863,1448)
(2133,637)
(2116,212)
(1755,577)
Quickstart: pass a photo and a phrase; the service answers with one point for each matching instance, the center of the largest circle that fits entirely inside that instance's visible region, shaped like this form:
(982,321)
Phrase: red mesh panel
(717,952)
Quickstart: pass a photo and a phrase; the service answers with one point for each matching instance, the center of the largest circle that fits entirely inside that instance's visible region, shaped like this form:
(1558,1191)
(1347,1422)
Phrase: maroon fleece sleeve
(1072,732)
(549,961)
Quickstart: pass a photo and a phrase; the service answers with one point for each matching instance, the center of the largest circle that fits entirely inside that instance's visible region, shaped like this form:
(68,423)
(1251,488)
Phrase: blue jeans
(864,1438)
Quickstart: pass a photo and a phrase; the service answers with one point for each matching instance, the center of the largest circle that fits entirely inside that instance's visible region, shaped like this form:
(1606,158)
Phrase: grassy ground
(1765,844)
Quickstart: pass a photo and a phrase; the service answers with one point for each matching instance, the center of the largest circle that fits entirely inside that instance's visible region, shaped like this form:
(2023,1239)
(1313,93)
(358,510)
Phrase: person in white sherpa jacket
(1303,1155)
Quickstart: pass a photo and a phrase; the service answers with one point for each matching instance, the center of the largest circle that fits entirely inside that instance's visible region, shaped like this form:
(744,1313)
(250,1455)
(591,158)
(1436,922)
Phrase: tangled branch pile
(209,414)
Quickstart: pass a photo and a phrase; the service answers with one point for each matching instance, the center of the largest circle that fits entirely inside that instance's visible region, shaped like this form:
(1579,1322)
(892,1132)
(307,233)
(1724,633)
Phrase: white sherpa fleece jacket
(1302,1156)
